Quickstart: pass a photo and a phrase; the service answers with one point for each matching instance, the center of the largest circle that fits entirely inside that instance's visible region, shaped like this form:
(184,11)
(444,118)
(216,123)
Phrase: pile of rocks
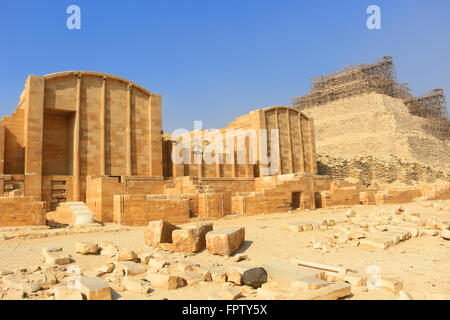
(382,230)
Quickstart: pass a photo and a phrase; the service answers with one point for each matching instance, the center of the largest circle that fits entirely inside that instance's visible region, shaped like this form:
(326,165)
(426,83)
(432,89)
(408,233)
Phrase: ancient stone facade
(97,138)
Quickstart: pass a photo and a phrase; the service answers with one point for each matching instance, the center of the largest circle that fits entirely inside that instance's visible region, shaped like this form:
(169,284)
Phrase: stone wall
(368,170)
(138,210)
(21,211)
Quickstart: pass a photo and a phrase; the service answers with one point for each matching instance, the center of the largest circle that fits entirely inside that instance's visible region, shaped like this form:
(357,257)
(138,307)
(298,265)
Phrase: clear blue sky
(214,60)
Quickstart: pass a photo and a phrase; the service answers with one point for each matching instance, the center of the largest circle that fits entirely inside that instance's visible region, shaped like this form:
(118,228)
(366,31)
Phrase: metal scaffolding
(379,77)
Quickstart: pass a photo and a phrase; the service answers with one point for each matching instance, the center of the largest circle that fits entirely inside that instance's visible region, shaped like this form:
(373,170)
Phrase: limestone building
(97,138)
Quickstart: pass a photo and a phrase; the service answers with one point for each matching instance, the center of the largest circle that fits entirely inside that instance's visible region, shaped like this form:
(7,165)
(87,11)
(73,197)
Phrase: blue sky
(214,60)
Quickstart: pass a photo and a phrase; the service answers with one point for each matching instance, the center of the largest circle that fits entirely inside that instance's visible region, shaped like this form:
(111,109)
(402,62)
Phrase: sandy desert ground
(421,263)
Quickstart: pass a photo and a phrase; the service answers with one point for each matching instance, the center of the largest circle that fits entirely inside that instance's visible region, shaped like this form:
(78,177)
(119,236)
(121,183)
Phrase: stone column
(312,146)
(279,143)
(128,132)
(76,143)
(290,155)
(102,128)
(302,152)
(155,132)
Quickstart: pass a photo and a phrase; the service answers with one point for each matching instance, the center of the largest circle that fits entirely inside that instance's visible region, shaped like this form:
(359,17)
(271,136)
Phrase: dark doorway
(318,200)
(295,204)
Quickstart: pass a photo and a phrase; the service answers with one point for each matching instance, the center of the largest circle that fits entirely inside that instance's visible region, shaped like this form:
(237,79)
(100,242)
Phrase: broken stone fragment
(108,268)
(156,264)
(219,274)
(165,281)
(350,213)
(192,277)
(230,293)
(109,251)
(57,258)
(204,271)
(191,239)
(47,249)
(234,276)
(136,285)
(226,241)
(86,247)
(240,257)
(186,265)
(124,254)
(159,232)
(132,268)
(309,283)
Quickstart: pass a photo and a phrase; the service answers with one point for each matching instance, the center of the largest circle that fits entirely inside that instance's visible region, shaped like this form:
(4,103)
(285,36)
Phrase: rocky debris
(109,250)
(56,258)
(225,241)
(156,264)
(165,281)
(278,291)
(191,239)
(63,292)
(144,257)
(234,276)
(132,268)
(136,284)
(240,257)
(86,247)
(124,254)
(254,277)
(5,272)
(107,268)
(95,289)
(350,213)
(192,277)
(309,283)
(218,274)
(392,285)
(48,249)
(285,271)
(203,271)
(158,232)
(20,283)
(232,293)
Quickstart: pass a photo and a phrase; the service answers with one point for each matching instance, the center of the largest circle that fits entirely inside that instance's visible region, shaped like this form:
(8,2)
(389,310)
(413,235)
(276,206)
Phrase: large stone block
(159,232)
(95,289)
(86,247)
(286,271)
(225,241)
(165,281)
(65,293)
(191,239)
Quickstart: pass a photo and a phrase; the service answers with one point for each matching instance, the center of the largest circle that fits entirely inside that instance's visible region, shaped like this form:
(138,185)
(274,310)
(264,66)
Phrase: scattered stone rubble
(381,231)
(163,264)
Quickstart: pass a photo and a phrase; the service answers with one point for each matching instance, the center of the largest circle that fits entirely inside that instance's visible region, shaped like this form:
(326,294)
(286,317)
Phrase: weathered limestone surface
(159,232)
(225,241)
(191,239)
(95,289)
